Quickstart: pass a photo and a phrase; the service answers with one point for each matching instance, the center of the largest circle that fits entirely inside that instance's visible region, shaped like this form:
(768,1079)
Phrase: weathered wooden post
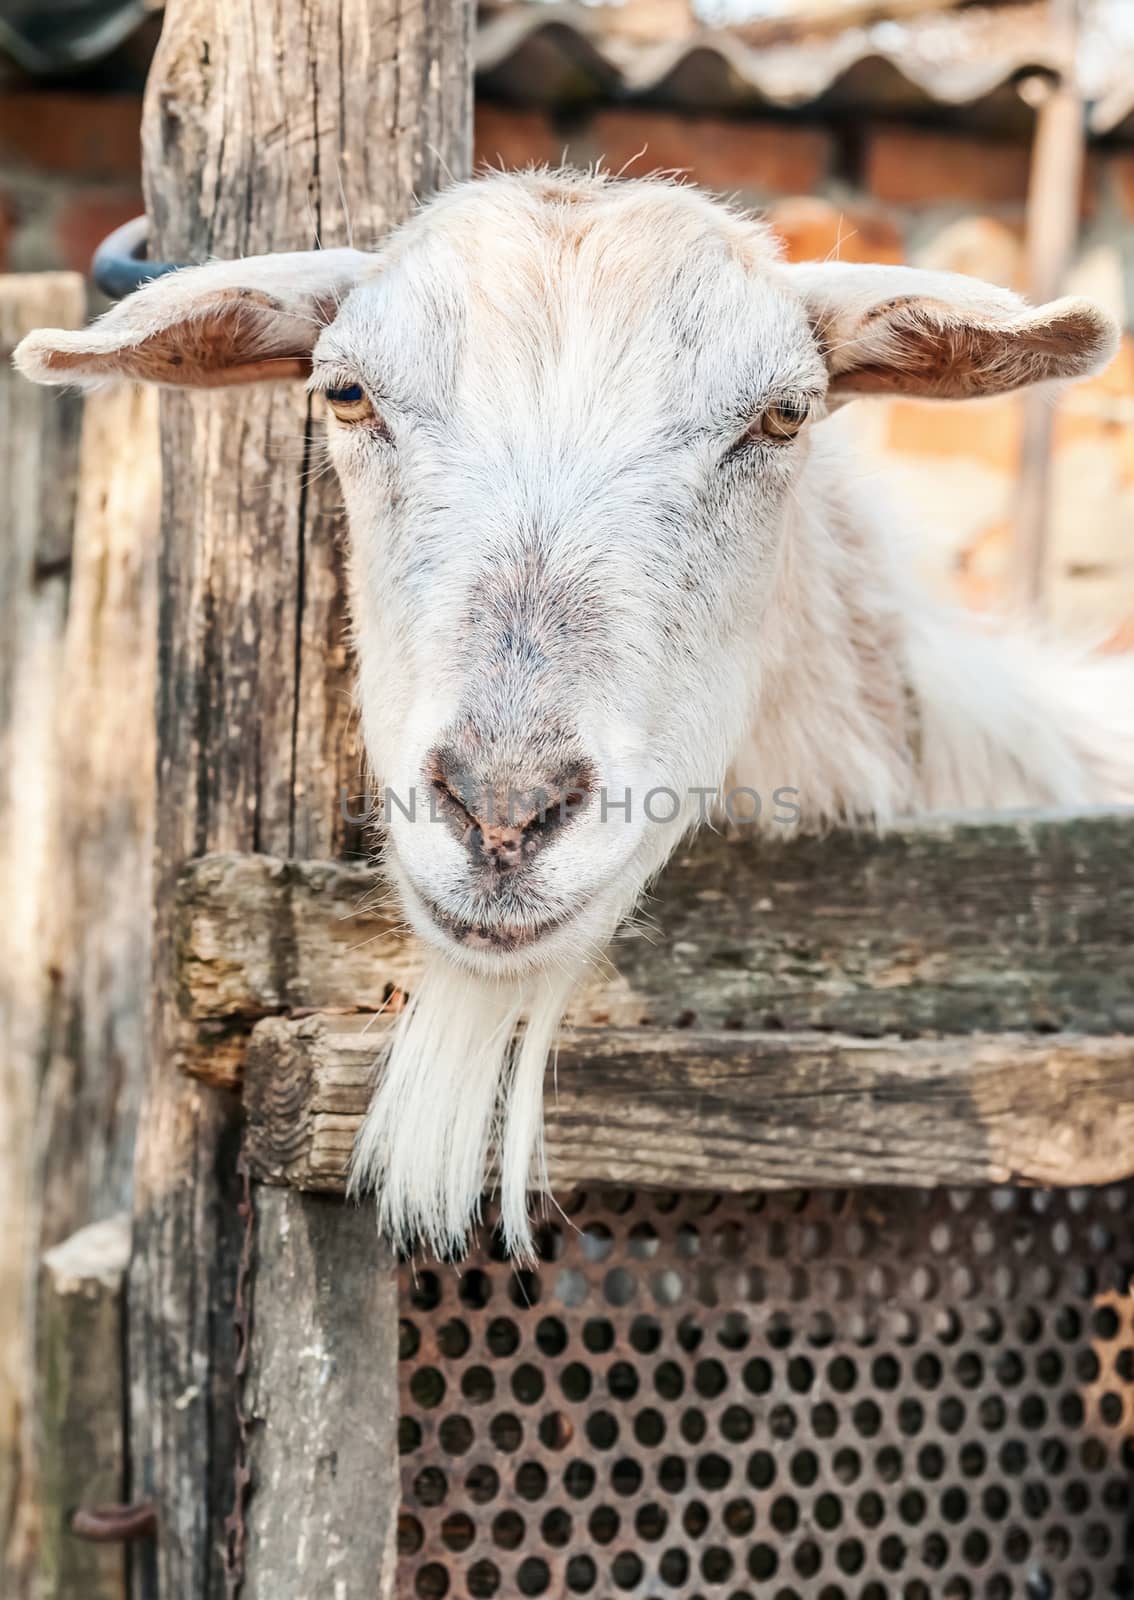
(93,1064)
(264,130)
(78,512)
(39,441)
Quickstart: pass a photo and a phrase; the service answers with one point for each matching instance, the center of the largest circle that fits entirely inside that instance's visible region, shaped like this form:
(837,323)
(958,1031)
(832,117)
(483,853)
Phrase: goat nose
(504,825)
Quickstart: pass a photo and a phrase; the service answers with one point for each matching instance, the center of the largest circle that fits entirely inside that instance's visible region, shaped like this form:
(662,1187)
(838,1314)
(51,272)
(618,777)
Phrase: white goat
(604,542)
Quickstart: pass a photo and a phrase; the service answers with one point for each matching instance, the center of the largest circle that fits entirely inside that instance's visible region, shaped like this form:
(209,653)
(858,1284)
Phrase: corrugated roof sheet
(562,53)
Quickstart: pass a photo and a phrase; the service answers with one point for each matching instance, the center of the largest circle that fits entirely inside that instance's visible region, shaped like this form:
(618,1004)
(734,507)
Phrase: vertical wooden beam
(1054,192)
(75,828)
(39,444)
(81,1420)
(322,1396)
(265,127)
(104,749)
(94,1058)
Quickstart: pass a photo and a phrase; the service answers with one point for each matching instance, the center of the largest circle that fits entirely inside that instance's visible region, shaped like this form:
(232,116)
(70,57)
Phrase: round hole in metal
(841,1392)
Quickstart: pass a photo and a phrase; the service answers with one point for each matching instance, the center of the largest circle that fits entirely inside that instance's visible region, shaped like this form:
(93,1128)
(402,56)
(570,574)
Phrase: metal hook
(115,1524)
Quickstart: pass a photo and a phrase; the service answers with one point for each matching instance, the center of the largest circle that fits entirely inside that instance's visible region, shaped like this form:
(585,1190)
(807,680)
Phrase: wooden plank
(76,828)
(82,1410)
(92,1058)
(743,1111)
(321,1399)
(947,925)
(94,1066)
(265,128)
(39,448)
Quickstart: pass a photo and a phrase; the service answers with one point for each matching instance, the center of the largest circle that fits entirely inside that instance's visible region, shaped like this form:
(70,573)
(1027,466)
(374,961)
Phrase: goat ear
(205,327)
(941,336)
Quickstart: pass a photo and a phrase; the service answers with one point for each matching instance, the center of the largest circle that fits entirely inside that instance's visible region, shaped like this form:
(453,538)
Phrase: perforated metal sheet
(877,1395)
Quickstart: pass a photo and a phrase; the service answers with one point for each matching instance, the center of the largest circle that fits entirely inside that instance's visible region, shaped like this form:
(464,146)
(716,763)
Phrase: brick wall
(70,171)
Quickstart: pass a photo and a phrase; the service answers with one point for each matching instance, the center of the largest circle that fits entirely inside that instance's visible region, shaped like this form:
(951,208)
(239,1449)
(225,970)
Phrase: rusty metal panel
(864,1395)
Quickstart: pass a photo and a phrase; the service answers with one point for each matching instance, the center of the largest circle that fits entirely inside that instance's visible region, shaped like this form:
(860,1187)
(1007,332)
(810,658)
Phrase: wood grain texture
(95,1066)
(946,926)
(92,1063)
(737,1111)
(265,128)
(81,1420)
(39,449)
(322,1401)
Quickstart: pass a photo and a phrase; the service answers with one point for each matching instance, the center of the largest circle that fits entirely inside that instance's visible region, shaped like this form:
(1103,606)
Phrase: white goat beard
(457,1082)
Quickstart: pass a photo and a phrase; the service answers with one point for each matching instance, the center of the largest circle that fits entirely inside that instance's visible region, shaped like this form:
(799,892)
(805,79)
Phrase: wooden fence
(948,1004)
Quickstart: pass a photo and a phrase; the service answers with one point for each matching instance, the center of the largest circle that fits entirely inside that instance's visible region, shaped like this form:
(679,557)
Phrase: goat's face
(568,415)
(564,471)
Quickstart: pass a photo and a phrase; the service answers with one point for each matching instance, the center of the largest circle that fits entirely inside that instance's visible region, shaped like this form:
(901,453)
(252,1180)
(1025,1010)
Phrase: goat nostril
(460,801)
(555,806)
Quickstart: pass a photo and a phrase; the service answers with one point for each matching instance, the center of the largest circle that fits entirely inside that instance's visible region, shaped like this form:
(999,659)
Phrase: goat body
(878,700)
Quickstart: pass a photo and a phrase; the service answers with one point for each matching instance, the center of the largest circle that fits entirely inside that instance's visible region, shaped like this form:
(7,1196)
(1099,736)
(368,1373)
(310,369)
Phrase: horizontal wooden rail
(742,1111)
(1013,922)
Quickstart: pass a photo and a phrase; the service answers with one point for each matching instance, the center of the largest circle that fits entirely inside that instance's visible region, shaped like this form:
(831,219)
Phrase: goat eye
(776,424)
(785,419)
(351,403)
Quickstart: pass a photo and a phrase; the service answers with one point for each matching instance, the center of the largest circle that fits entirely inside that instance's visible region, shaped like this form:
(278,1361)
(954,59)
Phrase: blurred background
(994,139)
